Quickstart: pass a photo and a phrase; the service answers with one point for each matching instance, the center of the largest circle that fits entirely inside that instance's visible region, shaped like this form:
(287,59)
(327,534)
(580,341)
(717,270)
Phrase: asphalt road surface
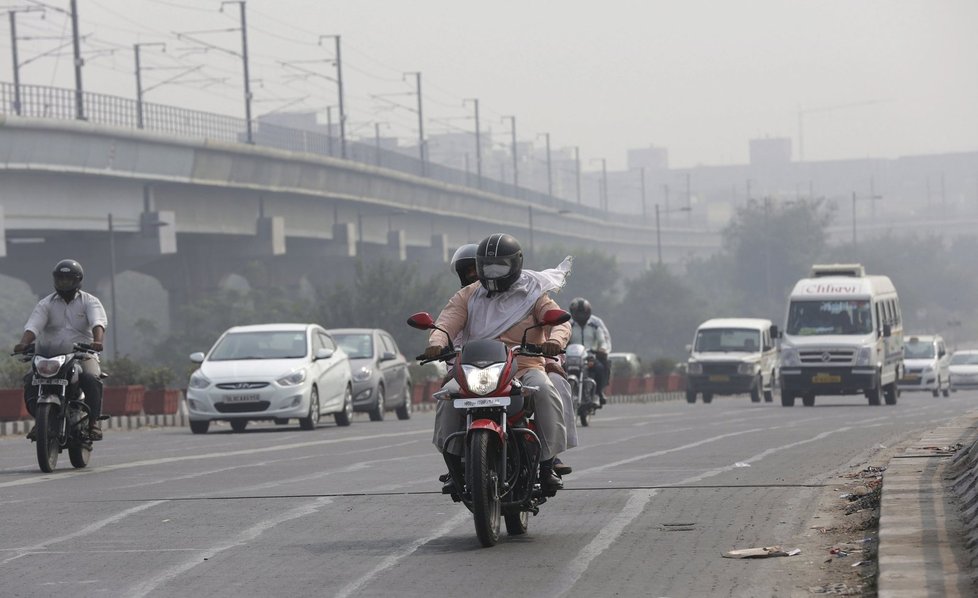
(658,492)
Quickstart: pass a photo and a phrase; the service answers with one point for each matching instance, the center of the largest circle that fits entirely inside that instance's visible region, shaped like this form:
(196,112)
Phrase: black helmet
(68,275)
(463,261)
(580,310)
(499,262)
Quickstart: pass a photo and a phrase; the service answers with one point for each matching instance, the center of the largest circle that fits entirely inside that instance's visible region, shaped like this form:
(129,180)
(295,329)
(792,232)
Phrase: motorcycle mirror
(421,320)
(555,317)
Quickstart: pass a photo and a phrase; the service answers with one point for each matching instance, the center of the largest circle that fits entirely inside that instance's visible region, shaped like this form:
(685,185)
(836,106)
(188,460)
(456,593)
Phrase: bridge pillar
(344,240)
(397,245)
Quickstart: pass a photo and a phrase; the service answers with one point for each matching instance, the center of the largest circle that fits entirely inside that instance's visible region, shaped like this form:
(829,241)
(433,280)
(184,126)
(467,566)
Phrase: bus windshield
(836,316)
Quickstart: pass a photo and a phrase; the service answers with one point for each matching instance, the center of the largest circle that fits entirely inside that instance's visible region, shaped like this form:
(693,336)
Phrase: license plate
(911,377)
(240,398)
(719,378)
(826,379)
(487,402)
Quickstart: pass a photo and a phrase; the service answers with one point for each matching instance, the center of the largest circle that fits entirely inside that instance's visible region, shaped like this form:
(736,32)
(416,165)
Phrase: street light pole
(112,268)
(79,62)
(550,178)
(249,130)
(421,147)
(478,142)
(13,50)
(339,90)
(139,80)
(512,130)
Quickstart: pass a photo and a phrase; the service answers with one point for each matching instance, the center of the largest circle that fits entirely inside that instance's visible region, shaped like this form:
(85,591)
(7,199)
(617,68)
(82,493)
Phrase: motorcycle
(61,415)
(583,385)
(501,449)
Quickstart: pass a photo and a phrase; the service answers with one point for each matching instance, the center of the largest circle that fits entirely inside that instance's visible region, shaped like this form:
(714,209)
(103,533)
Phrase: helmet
(68,275)
(499,262)
(463,263)
(580,310)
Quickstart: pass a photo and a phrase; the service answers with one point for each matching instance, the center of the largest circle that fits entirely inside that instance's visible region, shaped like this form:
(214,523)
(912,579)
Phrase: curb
(925,529)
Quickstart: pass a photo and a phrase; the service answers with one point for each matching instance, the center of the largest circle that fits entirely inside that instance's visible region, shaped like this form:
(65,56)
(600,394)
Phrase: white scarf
(489,317)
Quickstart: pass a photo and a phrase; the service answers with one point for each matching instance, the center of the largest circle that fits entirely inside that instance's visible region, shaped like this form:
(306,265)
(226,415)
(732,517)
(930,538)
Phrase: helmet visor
(65,282)
(496,267)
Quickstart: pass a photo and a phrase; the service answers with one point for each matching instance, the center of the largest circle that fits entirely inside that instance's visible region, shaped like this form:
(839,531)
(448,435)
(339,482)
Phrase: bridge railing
(40,101)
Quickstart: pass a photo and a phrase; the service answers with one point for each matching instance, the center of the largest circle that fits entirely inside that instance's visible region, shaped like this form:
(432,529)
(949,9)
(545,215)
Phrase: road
(659,491)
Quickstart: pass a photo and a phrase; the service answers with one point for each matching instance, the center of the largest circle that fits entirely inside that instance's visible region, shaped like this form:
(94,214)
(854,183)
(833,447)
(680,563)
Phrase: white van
(928,365)
(732,356)
(843,335)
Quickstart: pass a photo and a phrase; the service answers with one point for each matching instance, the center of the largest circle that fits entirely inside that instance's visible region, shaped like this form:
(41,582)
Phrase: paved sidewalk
(928,533)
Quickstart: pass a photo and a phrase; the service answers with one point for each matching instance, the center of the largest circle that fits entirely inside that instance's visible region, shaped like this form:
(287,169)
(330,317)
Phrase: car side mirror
(197,357)
(387,356)
(775,333)
(322,353)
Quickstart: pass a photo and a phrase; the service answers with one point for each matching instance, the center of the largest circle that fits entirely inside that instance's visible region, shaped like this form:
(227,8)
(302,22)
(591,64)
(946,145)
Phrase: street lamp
(658,230)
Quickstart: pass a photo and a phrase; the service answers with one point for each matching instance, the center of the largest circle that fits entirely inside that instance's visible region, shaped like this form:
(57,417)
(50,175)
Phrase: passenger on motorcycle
(463,263)
(63,318)
(590,332)
(507,302)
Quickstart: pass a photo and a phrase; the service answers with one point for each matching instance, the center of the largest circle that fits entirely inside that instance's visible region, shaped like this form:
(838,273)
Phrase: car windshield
(964,359)
(267,344)
(728,339)
(918,349)
(356,346)
(840,316)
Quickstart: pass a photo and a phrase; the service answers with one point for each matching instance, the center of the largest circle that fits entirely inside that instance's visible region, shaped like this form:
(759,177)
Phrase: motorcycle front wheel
(79,447)
(585,414)
(484,485)
(48,443)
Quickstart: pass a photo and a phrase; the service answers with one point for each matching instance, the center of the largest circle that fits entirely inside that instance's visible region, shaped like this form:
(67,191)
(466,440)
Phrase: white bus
(843,335)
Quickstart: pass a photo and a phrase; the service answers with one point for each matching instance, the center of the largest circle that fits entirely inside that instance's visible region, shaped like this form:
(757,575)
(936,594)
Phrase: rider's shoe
(95,431)
(548,479)
(32,435)
(602,399)
(561,468)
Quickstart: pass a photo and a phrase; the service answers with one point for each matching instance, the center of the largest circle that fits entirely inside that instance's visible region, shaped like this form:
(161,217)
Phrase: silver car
(270,372)
(381,380)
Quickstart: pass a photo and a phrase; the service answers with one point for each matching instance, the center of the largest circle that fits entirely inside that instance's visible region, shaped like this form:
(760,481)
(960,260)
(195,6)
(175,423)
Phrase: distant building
(652,158)
(770,151)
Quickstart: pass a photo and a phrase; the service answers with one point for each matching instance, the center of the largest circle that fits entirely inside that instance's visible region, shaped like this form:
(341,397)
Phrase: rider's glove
(433,351)
(550,348)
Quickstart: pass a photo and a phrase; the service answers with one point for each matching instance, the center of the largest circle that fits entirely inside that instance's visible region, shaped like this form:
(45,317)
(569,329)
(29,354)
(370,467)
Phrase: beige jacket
(454,315)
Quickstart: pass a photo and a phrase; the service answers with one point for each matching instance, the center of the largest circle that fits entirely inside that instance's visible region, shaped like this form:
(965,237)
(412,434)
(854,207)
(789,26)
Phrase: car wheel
(345,416)
(707,397)
(199,427)
(690,396)
(787,399)
(312,420)
(239,425)
(808,400)
(377,413)
(755,391)
(404,411)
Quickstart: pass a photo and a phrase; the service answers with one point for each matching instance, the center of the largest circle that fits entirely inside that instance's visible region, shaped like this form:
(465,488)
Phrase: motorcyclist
(59,320)
(463,264)
(592,335)
(507,301)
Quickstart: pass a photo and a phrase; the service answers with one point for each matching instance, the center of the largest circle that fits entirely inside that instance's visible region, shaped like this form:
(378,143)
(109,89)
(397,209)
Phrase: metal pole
(339,86)
(512,130)
(577,160)
(377,142)
(359,233)
(658,236)
(329,129)
(247,77)
(13,49)
(79,62)
(550,178)
(421,146)
(139,88)
(644,212)
(112,267)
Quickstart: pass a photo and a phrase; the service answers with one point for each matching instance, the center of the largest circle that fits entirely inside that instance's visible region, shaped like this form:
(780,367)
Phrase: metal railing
(39,101)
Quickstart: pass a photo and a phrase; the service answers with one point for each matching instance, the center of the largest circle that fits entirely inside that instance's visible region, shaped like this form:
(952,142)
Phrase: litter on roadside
(760,553)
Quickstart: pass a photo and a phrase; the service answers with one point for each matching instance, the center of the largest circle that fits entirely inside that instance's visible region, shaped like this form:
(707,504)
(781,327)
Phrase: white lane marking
(669,450)
(248,535)
(199,457)
(83,531)
(637,502)
(354,586)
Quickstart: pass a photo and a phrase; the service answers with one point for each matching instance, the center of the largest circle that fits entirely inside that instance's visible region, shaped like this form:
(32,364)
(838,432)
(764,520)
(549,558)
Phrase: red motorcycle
(501,449)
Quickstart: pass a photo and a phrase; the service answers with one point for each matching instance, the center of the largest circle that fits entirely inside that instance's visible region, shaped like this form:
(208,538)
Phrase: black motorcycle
(583,385)
(62,415)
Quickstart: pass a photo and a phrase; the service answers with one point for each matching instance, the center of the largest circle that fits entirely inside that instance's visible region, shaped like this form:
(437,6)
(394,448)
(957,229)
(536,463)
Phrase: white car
(270,372)
(964,370)
(926,365)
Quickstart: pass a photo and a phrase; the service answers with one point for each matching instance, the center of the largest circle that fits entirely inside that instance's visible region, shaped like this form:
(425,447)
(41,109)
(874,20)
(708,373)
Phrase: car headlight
(865,356)
(746,368)
(198,380)
(296,377)
(695,368)
(790,357)
(48,366)
(482,381)
(362,374)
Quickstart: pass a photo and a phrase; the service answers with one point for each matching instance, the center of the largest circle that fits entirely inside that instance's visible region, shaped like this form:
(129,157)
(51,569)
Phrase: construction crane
(802,113)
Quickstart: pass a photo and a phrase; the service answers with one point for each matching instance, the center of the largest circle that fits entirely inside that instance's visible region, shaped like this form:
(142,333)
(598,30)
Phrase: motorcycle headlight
(790,357)
(746,368)
(48,366)
(198,380)
(482,381)
(865,356)
(296,377)
(695,368)
(362,374)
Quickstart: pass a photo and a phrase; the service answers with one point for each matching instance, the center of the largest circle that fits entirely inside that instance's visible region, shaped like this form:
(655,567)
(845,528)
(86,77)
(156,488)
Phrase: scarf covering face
(489,317)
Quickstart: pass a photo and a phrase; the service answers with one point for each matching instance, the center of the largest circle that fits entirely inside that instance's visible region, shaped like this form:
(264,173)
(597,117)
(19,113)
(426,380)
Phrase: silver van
(732,356)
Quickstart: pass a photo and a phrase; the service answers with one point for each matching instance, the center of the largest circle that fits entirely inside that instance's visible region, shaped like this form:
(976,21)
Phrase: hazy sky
(879,78)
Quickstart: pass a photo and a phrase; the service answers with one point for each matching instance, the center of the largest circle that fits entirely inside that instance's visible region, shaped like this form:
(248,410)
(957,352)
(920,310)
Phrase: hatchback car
(273,372)
(381,379)
(964,370)
(926,362)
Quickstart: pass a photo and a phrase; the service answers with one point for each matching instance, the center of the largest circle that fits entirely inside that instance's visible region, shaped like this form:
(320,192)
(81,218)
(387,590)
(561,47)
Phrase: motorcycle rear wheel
(484,485)
(79,452)
(48,443)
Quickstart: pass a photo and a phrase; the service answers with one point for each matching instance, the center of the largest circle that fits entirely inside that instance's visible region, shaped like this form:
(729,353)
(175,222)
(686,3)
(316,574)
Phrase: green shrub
(663,365)
(12,372)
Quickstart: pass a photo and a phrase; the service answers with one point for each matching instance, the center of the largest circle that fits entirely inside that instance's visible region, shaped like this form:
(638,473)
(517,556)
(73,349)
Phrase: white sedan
(964,370)
(270,372)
